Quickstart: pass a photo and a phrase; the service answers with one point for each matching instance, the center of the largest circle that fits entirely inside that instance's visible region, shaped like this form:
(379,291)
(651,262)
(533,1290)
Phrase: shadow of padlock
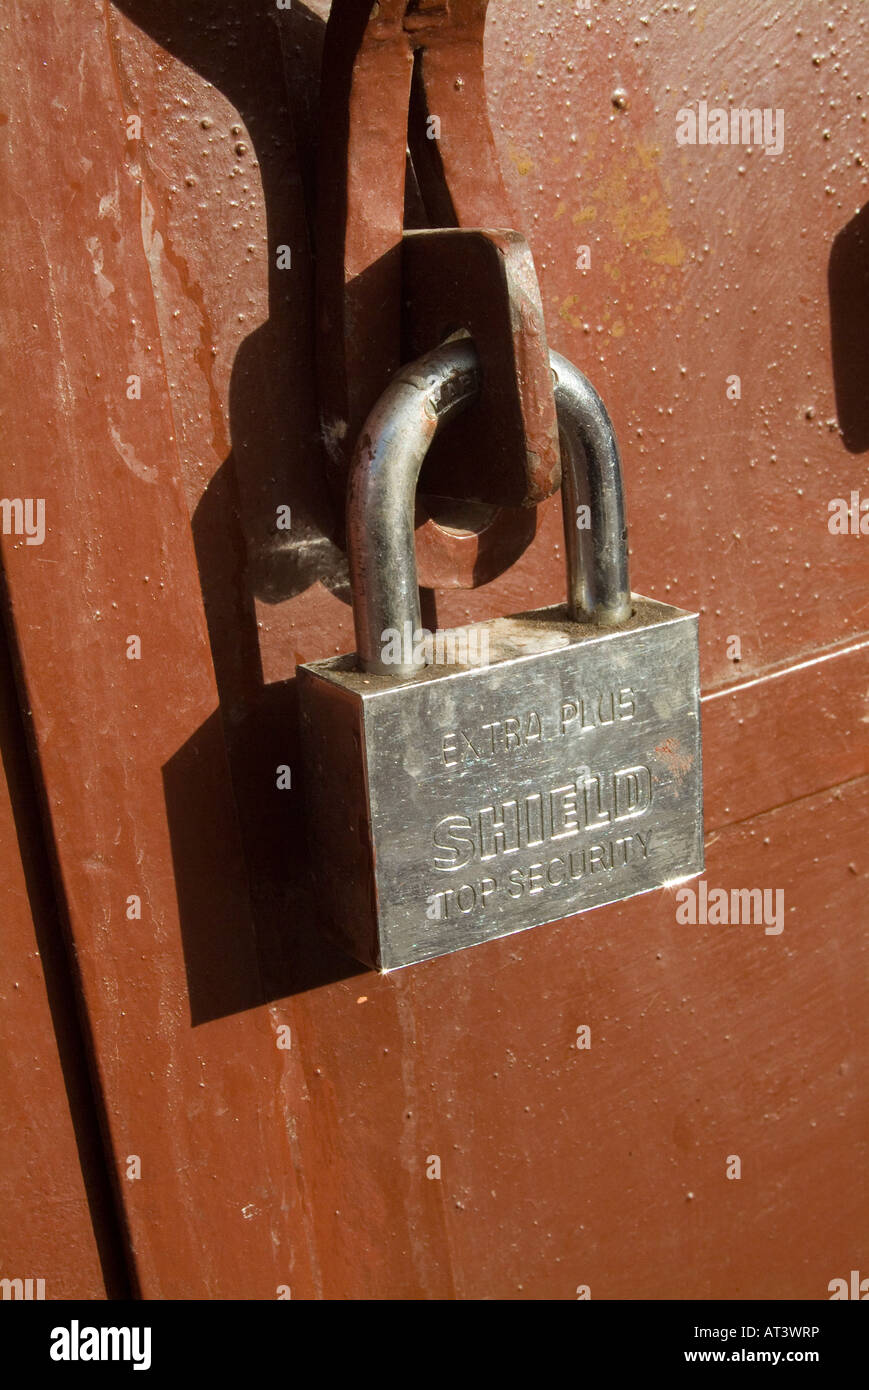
(468,784)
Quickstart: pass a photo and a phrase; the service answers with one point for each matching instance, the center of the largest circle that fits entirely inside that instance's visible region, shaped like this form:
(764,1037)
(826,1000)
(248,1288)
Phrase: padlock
(467,784)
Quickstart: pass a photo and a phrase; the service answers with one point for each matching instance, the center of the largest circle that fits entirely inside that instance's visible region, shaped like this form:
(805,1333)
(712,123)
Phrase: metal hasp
(398,75)
(538,765)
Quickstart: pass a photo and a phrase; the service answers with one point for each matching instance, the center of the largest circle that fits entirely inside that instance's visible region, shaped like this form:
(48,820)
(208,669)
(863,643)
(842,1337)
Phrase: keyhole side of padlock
(420,400)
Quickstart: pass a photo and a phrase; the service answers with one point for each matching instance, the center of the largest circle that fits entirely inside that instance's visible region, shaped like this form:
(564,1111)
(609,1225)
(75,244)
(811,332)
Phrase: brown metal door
(269,1111)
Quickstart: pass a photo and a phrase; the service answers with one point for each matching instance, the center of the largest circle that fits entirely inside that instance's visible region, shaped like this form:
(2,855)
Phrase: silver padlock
(470,784)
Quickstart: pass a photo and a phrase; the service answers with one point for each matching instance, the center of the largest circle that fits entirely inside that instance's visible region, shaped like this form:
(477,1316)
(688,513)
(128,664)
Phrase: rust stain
(633,199)
(679,763)
(565,311)
(698,14)
(521,158)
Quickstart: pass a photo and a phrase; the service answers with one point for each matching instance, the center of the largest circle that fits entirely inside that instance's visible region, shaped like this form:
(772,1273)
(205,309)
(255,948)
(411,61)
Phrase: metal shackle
(381,497)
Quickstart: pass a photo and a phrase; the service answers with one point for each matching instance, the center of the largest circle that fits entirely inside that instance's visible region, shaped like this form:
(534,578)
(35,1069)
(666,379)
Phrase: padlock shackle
(598,584)
(381,497)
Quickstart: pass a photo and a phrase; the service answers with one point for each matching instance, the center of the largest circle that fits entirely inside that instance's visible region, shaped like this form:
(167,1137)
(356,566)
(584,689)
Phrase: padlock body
(477,800)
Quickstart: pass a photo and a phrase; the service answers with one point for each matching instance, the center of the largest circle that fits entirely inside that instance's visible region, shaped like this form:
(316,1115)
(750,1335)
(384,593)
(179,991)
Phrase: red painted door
(195,1082)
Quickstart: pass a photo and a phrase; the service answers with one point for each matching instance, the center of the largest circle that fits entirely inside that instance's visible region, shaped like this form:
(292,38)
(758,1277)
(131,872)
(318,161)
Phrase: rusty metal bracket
(393,73)
(484,283)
